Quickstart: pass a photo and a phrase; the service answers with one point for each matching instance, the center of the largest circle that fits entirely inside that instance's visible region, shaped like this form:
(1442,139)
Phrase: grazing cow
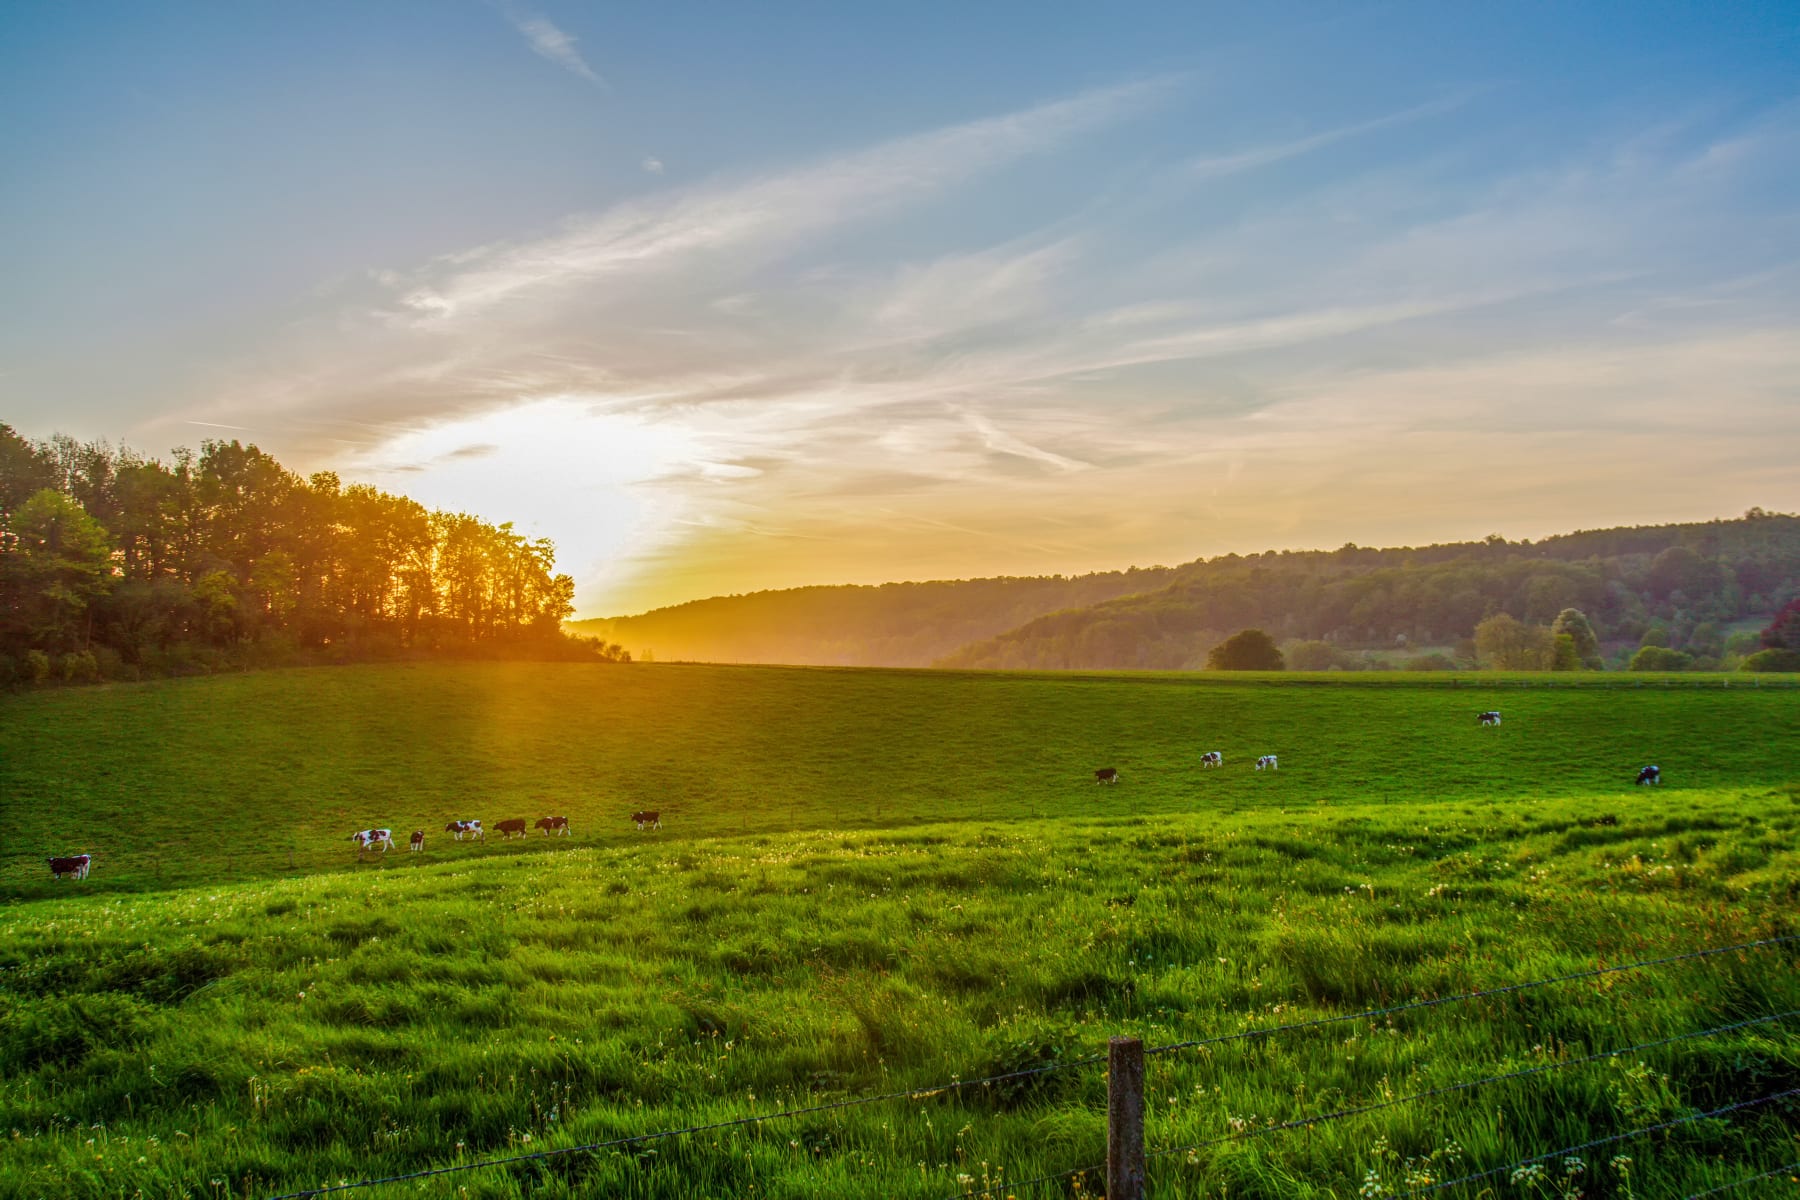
(1212,758)
(508,828)
(472,828)
(556,825)
(1488,718)
(650,820)
(1267,763)
(75,865)
(1650,775)
(418,840)
(368,839)
(1107,775)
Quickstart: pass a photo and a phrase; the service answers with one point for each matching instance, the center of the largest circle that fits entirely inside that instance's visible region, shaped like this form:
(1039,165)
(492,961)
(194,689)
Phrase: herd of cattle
(475,831)
(76,866)
(1269,762)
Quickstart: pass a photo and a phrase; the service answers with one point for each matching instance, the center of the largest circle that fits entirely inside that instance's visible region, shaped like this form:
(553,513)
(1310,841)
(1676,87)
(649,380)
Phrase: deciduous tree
(1249,650)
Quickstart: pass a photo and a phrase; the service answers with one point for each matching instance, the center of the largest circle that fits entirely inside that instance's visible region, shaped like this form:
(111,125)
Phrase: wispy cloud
(775,211)
(1262,156)
(550,42)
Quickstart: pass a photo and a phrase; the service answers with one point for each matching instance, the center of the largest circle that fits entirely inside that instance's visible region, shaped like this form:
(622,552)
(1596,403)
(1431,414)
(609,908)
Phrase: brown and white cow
(418,840)
(1107,775)
(1212,758)
(472,828)
(647,820)
(368,839)
(556,825)
(75,866)
(508,828)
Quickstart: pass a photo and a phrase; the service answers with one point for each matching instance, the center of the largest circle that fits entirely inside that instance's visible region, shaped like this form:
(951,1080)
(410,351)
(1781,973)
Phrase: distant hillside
(890,625)
(1693,579)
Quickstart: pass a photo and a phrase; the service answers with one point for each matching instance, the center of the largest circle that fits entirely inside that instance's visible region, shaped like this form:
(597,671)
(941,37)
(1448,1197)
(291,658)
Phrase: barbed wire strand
(1595,973)
(1451,1089)
(990,1080)
(1738,1183)
(1570,1151)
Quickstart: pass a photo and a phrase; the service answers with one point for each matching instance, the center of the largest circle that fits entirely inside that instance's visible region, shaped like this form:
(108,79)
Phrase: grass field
(874,880)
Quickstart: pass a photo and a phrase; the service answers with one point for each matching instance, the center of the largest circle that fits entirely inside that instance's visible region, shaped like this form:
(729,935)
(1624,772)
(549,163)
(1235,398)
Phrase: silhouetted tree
(1249,650)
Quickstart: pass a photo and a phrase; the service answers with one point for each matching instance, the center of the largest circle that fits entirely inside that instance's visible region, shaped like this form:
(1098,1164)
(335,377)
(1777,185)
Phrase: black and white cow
(368,839)
(1212,758)
(1268,762)
(1489,718)
(1650,775)
(1107,775)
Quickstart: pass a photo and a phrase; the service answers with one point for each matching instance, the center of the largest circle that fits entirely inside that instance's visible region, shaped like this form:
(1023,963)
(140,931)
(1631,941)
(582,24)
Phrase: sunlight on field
(872,882)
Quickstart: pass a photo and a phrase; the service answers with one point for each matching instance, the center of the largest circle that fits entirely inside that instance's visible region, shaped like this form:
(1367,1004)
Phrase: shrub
(1657,658)
(1772,660)
(37,666)
(1430,662)
(79,666)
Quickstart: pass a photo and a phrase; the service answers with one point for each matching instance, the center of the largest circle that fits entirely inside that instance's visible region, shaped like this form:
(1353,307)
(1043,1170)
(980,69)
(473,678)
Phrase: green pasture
(263,774)
(871,881)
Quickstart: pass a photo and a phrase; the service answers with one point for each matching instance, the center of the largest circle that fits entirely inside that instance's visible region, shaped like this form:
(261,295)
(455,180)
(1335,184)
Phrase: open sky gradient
(724,297)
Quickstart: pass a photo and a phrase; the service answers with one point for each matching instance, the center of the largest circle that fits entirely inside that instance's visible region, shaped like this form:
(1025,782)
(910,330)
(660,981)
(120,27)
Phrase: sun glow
(586,476)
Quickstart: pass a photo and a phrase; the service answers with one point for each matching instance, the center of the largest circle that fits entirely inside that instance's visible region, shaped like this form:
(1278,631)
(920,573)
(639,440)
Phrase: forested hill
(893,624)
(1684,581)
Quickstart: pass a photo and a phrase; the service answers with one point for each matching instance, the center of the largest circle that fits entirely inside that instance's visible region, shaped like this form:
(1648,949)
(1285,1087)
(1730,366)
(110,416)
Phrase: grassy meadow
(871,881)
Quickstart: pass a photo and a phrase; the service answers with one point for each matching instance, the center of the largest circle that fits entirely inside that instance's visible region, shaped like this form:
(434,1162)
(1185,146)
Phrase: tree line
(118,565)
(1583,600)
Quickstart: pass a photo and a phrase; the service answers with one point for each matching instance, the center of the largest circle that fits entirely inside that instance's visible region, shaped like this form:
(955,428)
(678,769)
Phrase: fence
(1126,1169)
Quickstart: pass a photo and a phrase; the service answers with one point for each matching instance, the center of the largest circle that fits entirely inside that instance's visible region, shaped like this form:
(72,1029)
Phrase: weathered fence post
(1125,1119)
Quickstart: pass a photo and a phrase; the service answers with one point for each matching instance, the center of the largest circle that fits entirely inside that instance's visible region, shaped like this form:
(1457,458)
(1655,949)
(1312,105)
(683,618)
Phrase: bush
(1430,662)
(1312,656)
(37,666)
(79,666)
(1657,658)
(1772,660)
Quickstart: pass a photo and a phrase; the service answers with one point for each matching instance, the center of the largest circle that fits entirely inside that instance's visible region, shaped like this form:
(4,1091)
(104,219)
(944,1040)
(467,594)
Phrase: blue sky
(724,297)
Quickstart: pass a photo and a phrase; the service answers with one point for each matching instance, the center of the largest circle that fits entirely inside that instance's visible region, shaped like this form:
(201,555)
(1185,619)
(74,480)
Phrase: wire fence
(1580,1148)
(957,1086)
(1788,1169)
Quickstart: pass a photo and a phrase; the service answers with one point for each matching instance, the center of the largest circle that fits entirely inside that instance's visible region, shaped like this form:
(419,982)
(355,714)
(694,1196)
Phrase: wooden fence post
(1125,1119)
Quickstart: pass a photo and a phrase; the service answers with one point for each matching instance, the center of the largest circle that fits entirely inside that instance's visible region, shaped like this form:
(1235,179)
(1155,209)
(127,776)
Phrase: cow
(1267,763)
(508,828)
(418,841)
(1650,775)
(1107,775)
(651,820)
(1490,717)
(370,838)
(1212,758)
(75,865)
(472,828)
(556,825)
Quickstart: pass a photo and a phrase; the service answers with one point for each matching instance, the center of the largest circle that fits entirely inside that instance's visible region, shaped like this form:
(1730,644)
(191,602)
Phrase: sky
(726,297)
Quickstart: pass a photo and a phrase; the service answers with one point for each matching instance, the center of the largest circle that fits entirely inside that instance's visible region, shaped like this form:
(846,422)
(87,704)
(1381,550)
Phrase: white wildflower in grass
(1528,1173)
(1573,1166)
(1372,1188)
